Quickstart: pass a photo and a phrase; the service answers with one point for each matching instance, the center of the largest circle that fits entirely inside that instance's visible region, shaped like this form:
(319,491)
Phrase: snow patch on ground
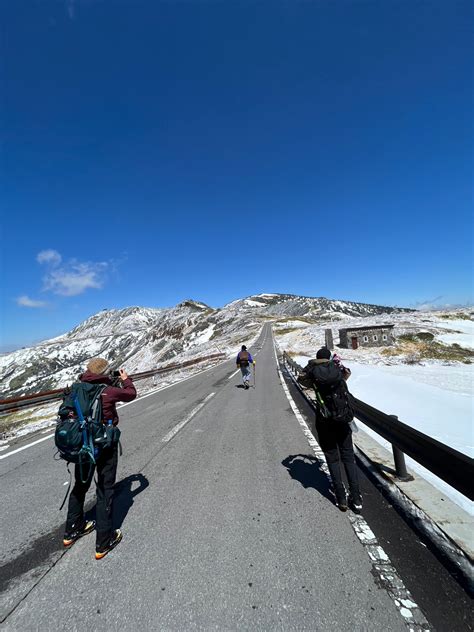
(436,398)
(205,336)
(462,333)
(443,411)
(252,303)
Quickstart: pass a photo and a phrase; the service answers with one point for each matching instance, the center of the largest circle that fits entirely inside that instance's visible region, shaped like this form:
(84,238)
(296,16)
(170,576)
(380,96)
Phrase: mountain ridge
(144,337)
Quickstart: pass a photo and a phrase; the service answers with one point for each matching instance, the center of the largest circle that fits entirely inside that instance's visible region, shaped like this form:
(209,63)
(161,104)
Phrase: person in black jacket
(333,424)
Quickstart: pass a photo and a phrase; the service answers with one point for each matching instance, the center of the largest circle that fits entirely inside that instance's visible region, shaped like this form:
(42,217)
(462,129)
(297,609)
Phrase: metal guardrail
(453,467)
(36,399)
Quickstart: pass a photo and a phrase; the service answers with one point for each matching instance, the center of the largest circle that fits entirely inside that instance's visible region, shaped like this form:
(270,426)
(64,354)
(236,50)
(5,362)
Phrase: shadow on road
(305,469)
(124,495)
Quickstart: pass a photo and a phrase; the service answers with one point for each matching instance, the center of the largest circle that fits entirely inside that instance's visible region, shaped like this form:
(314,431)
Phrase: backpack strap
(86,453)
(95,403)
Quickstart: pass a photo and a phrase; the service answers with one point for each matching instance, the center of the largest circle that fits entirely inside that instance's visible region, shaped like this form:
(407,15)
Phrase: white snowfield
(435,399)
(463,336)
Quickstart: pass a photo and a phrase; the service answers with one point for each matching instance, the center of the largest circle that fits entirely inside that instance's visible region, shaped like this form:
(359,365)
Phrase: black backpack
(333,399)
(80,432)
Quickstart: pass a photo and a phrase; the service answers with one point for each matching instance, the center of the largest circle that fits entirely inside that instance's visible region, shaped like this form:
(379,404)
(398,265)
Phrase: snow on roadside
(440,411)
(462,333)
(435,399)
(39,418)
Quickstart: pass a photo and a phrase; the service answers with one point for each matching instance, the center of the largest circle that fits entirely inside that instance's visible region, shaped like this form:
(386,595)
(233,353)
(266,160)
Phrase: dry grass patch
(462,316)
(302,319)
(286,330)
(416,350)
(13,421)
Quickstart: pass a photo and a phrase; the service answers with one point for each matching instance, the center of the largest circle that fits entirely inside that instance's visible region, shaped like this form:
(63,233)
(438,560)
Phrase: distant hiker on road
(105,462)
(333,416)
(244,360)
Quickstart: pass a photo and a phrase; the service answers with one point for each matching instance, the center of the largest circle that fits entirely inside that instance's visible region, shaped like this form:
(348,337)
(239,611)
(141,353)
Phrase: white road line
(158,390)
(5,456)
(234,373)
(382,566)
(163,388)
(181,424)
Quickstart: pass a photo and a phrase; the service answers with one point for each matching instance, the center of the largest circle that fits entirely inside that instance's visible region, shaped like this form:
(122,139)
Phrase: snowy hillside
(313,308)
(142,338)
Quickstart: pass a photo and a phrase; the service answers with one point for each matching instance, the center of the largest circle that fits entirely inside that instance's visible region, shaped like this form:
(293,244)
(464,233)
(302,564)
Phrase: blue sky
(154,151)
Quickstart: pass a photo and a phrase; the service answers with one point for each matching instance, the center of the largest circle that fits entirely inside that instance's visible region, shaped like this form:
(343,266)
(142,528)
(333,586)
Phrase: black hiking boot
(341,499)
(341,505)
(70,538)
(355,503)
(117,537)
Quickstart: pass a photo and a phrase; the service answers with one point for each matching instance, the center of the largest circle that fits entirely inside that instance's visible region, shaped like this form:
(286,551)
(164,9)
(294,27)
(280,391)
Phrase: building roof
(368,327)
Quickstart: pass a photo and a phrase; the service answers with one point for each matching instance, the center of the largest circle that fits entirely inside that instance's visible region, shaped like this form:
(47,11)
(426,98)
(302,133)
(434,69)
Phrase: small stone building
(374,336)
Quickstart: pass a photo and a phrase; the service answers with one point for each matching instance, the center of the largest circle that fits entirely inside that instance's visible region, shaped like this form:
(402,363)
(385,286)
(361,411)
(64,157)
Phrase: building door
(354,342)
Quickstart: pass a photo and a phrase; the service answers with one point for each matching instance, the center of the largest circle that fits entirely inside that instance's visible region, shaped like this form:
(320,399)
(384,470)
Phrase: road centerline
(187,419)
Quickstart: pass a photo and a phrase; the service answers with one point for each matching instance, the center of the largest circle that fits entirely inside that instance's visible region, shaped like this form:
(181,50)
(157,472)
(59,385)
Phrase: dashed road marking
(158,390)
(163,388)
(181,424)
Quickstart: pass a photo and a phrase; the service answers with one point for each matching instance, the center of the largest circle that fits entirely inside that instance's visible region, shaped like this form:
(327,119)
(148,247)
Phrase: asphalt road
(218,531)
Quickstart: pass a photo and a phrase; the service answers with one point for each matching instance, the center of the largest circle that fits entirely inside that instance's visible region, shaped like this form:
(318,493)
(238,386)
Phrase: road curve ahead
(221,530)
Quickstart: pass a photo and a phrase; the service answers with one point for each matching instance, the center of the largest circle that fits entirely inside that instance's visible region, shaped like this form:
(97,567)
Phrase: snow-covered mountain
(141,338)
(309,307)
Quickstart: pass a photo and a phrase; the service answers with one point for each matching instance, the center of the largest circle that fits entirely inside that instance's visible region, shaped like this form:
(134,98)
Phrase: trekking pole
(254,375)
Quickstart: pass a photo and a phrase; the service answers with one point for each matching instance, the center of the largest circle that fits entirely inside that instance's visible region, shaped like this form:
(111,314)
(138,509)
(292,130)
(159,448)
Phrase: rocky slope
(141,338)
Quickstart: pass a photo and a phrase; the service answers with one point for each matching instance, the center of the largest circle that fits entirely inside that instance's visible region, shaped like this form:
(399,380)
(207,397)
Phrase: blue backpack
(80,432)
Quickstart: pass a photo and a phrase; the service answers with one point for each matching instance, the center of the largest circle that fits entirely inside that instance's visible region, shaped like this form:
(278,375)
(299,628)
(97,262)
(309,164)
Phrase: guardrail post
(399,460)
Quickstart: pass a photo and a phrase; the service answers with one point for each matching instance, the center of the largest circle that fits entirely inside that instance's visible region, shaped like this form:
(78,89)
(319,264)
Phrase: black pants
(335,440)
(106,473)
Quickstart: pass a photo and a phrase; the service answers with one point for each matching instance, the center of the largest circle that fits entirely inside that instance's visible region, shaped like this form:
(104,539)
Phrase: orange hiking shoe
(70,538)
(100,553)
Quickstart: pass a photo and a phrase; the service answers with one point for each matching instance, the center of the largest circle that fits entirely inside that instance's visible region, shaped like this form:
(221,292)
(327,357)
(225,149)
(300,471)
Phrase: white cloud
(69,278)
(439,304)
(75,278)
(49,256)
(26,301)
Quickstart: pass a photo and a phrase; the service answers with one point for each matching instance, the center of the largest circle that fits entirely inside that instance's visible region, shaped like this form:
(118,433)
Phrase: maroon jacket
(111,394)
